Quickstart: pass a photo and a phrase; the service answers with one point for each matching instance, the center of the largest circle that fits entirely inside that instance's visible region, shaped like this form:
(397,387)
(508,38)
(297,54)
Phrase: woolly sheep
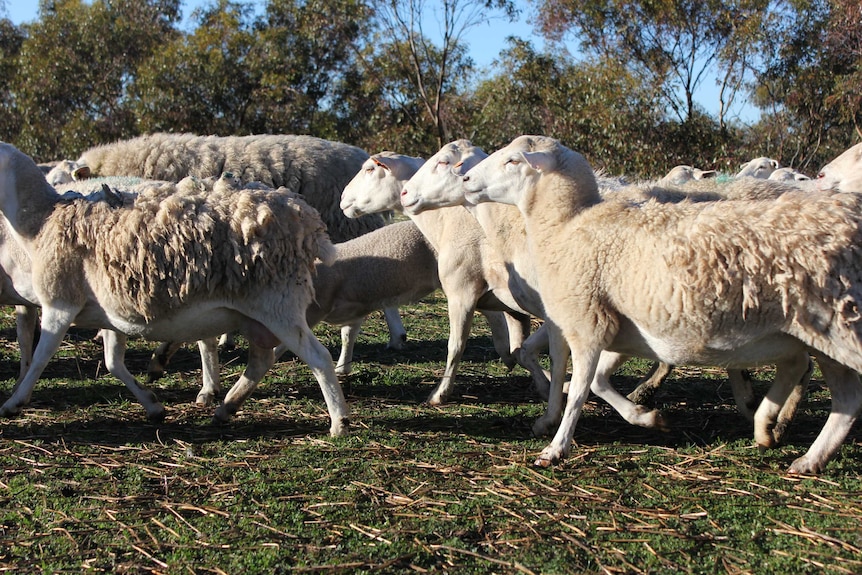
(788,175)
(440,188)
(504,228)
(682,174)
(843,174)
(392,266)
(465,264)
(176,265)
(741,283)
(315,168)
(758,168)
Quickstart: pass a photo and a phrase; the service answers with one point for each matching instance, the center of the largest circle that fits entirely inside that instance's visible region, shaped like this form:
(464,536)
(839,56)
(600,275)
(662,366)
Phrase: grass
(88,485)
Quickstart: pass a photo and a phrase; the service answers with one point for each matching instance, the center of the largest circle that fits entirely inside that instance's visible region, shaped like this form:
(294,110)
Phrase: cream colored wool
(315,168)
(163,250)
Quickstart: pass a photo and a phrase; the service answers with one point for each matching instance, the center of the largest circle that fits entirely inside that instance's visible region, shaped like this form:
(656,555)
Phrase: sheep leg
(558,350)
(635,414)
(349,334)
(791,404)
(55,324)
(583,371)
(209,372)
(460,322)
(846,390)
(648,386)
(302,342)
(743,393)
(498,323)
(161,357)
(518,331)
(26,320)
(397,333)
(528,358)
(260,359)
(115,360)
(789,377)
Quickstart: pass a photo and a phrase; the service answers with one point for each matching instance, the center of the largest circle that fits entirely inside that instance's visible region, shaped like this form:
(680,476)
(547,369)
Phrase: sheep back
(173,246)
(317,169)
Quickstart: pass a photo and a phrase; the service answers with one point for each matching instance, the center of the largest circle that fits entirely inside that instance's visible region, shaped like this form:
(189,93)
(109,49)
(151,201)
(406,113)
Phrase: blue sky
(486,42)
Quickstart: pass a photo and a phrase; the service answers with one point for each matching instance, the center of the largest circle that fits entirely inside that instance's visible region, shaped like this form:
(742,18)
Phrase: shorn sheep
(843,174)
(438,186)
(466,265)
(730,283)
(177,265)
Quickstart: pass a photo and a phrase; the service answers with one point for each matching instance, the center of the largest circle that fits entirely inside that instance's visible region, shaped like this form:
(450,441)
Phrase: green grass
(88,485)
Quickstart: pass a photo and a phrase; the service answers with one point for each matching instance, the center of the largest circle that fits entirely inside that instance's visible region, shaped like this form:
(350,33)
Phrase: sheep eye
(821,175)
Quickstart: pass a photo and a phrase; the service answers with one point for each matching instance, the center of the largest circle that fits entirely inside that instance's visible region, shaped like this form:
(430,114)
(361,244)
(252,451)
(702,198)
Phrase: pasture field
(88,485)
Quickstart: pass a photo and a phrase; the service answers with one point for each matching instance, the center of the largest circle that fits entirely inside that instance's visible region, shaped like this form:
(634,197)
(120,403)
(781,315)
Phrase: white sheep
(843,174)
(440,188)
(788,175)
(175,266)
(758,168)
(466,265)
(736,283)
(315,168)
(682,174)
(389,267)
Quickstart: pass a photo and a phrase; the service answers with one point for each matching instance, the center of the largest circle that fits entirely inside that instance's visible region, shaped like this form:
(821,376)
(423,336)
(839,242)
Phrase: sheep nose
(465,179)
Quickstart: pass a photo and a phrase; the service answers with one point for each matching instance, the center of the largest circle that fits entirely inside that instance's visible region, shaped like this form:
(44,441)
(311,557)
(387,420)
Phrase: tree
(433,72)
(11,39)
(75,68)
(201,82)
(673,45)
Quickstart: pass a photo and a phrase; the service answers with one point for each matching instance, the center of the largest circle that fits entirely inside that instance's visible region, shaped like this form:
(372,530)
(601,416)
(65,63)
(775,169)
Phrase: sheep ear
(81,173)
(775,164)
(381,164)
(539,161)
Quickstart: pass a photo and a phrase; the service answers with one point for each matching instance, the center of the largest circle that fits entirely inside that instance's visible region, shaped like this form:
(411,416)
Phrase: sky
(486,41)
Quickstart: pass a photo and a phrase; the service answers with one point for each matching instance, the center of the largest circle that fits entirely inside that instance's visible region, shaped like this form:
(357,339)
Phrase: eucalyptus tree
(673,45)
(75,68)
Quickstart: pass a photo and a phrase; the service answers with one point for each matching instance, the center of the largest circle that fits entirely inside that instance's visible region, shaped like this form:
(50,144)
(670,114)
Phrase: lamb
(175,266)
(465,264)
(758,168)
(315,168)
(437,185)
(843,174)
(392,266)
(735,283)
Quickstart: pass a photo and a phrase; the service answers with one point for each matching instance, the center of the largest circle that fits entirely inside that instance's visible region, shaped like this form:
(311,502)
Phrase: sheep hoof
(154,375)
(339,427)
(344,369)
(9,411)
(804,466)
(661,422)
(543,462)
(543,427)
(205,400)
(156,414)
(397,343)
(224,413)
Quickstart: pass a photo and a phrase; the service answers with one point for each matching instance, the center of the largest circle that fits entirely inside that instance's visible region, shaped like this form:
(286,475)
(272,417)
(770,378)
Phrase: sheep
(788,175)
(682,173)
(736,283)
(16,290)
(758,168)
(465,264)
(504,228)
(391,266)
(315,168)
(843,174)
(440,188)
(175,266)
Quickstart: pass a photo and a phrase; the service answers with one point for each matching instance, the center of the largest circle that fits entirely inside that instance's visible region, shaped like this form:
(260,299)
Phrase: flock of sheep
(179,238)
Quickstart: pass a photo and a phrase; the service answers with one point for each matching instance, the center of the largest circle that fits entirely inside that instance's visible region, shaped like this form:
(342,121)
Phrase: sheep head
(843,174)
(377,185)
(438,182)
